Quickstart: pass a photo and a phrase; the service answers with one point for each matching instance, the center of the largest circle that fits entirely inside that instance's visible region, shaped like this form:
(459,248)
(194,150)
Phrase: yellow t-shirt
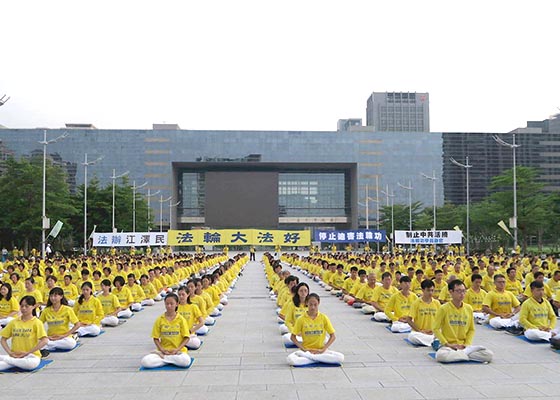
(58,321)
(514,287)
(36,294)
(555,287)
(293,313)
(313,331)
(191,313)
(424,314)
(25,334)
(366,293)
(381,295)
(547,292)
(500,303)
(137,293)
(149,290)
(109,303)
(18,290)
(535,315)
(171,333)
(125,296)
(8,306)
(349,284)
(70,291)
(90,311)
(199,301)
(399,305)
(454,325)
(475,299)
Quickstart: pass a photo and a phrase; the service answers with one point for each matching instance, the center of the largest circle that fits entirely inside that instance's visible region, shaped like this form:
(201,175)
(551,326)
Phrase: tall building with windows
(398,112)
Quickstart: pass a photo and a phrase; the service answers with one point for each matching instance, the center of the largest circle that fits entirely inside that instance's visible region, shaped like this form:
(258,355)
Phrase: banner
(129,239)
(240,237)
(363,235)
(428,237)
(56,229)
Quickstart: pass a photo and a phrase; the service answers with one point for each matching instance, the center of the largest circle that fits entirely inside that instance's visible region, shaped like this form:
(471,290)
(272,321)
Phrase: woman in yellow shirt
(293,309)
(28,338)
(9,307)
(193,316)
(89,312)
(110,304)
(58,317)
(170,334)
(313,328)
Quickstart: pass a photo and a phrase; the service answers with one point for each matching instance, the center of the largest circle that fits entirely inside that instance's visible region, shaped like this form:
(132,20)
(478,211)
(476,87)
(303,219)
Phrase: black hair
(106,282)
(538,274)
(386,275)
(404,278)
(426,284)
(498,276)
(312,296)
(291,278)
(59,291)
(536,285)
(454,283)
(352,269)
(9,294)
(510,269)
(474,277)
(30,301)
(173,296)
(295,290)
(184,289)
(89,285)
(362,272)
(118,279)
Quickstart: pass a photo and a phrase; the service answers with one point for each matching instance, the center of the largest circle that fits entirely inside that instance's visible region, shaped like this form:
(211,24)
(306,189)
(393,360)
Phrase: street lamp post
(409,188)
(134,188)
(149,195)
(161,201)
(433,179)
(115,177)
(512,146)
(44,219)
(87,164)
(467,166)
(392,196)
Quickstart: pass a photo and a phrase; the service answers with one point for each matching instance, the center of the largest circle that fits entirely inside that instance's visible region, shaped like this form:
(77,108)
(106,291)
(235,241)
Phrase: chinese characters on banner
(428,237)
(350,236)
(129,239)
(221,237)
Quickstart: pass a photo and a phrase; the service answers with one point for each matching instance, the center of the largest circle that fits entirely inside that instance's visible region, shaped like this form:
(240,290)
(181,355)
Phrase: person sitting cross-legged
(537,316)
(422,315)
(454,329)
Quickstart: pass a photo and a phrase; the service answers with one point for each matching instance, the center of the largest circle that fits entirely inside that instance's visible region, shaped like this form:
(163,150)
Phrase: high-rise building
(398,112)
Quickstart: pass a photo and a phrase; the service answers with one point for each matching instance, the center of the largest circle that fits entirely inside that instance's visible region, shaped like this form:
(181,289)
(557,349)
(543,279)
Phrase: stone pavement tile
(405,393)
(521,371)
(268,395)
(202,396)
(448,392)
(237,388)
(331,394)
(158,378)
(356,375)
(510,390)
(474,372)
(300,387)
(372,383)
(214,378)
(271,376)
(407,383)
(549,389)
(319,375)
(215,361)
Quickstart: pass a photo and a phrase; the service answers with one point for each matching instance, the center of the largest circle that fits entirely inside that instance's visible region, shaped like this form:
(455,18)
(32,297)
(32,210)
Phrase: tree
(21,200)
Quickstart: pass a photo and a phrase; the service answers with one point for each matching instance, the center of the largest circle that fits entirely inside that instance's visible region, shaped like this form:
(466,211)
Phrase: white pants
(381,317)
(68,343)
(224,300)
(283,329)
(300,357)
(5,321)
(367,309)
(90,330)
(420,339)
(209,321)
(148,302)
(480,317)
(336,292)
(347,298)
(136,307)
(110,320)
(500,323)
(126,313)
(220,306)
(29,362)
(474,353)
(155,361)
(215,312)
(400,327)
(203,330)
(287,338)
(71,302)
(537,335)
(194,342)
(158,298)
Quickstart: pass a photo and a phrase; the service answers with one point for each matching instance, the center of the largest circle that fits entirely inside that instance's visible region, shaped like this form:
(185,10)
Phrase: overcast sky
(489,66)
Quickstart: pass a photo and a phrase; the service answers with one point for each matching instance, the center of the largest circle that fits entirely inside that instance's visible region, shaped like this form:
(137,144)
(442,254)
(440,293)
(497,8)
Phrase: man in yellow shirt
(475,297)
(454,329)
(512,284)
(365,295)
(381,296)
(398,307)
(537,315)
(422,315)
(501,305)
(356,287)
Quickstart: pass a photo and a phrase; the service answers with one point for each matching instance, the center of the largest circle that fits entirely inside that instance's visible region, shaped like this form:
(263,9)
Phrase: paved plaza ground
(243,358)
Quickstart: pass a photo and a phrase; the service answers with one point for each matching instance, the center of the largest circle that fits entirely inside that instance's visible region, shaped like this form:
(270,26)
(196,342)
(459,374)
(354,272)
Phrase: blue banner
(362,235)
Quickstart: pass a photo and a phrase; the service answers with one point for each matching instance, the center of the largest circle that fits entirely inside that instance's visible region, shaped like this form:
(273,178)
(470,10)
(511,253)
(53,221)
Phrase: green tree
(21,201)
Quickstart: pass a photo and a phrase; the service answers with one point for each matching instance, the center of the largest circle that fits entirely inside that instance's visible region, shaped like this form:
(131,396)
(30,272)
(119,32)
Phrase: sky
(489,66)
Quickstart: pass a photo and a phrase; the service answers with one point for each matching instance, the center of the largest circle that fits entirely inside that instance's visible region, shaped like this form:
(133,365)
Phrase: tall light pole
(134,189)
(115,177)
(467,166)
(433,179)
(44,220)
(392,196)
(367,207)
(161,201)
(409,188)
(512,146)
(171,208)
(87,164)
(149,195)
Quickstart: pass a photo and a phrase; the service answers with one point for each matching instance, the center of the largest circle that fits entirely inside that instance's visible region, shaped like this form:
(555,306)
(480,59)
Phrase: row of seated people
(64,324)
(302,324)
